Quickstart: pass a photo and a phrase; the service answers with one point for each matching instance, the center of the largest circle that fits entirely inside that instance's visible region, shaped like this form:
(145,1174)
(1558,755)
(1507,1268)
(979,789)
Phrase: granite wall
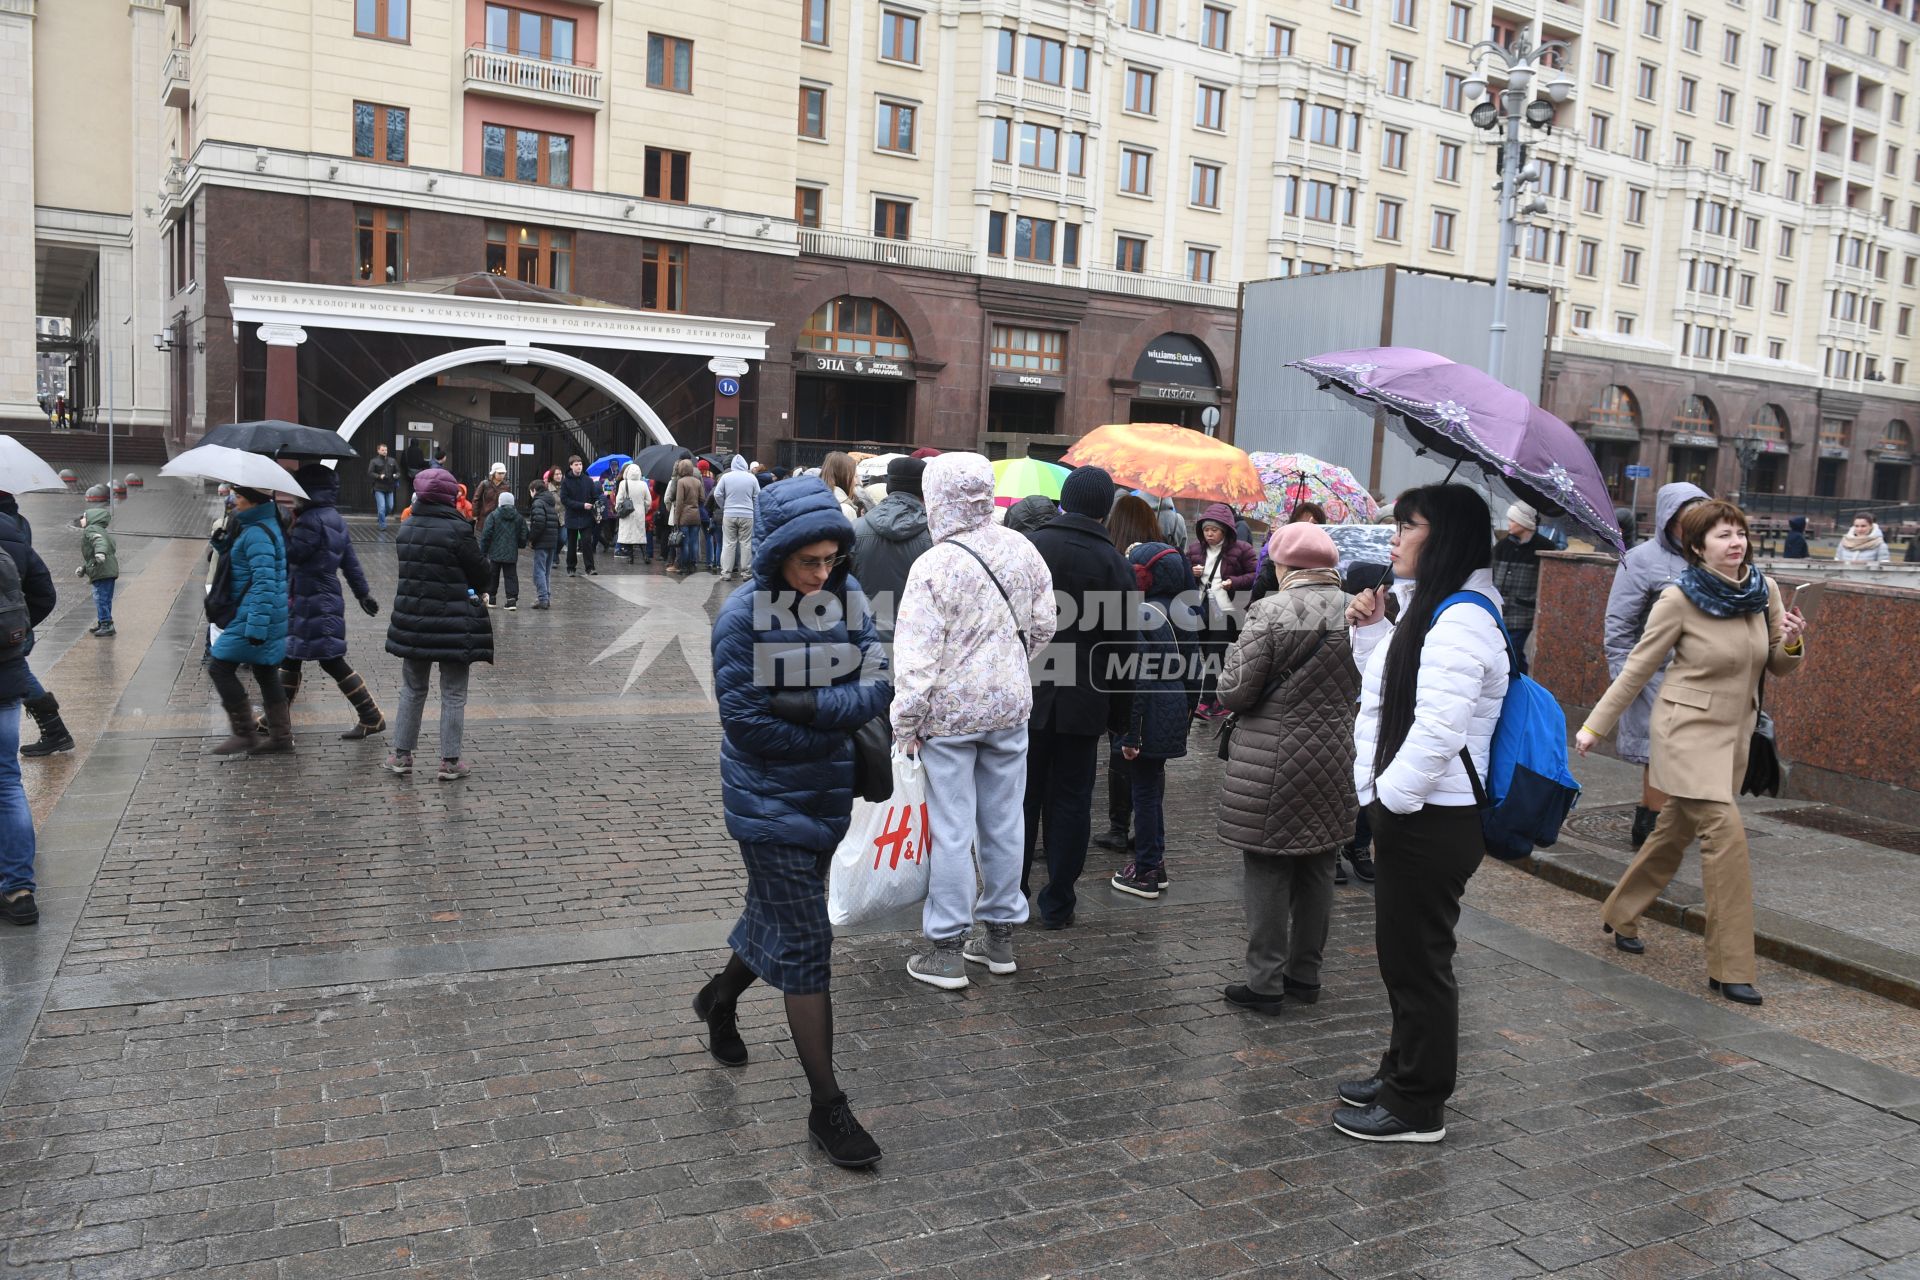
(1846,721)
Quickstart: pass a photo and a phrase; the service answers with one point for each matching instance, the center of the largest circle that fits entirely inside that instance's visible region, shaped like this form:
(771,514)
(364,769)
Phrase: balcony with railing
(1022,91)
(566,84)
(1024,181)
(176,77)
(928,254)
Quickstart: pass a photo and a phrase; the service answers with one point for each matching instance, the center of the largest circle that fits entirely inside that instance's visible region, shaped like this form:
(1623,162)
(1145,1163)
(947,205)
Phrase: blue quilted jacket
(786,783)
(259,631)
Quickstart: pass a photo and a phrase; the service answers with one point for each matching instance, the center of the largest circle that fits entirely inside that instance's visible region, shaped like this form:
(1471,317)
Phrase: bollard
(96,493)
(134,481)
(119,488)
(68,478)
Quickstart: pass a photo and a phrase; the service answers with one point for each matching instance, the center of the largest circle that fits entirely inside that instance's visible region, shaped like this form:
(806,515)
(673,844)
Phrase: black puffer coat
(318,552)
(1288,787)
(544,522)
(432,617)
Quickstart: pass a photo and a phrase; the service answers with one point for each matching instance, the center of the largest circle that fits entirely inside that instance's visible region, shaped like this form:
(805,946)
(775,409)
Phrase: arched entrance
(1893,463)
(1769,471)
(853,376)
(1612,427)
(1694,454)
(1177,381)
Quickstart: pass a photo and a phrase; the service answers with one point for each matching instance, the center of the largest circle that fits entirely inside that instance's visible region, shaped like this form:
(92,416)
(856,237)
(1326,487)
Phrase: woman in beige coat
(684,498)
(1725,623)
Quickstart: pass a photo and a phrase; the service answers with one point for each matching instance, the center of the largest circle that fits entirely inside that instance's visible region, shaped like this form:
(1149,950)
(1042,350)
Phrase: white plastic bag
(881,864)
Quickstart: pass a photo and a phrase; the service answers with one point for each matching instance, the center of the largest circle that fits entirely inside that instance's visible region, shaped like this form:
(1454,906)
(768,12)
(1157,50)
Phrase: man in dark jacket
(1074,703)
(543,535)
(1796,548)
(580,500)
(1516,572)
(384,471)
(888,539)
(16,539)
(437,618)
(16,816)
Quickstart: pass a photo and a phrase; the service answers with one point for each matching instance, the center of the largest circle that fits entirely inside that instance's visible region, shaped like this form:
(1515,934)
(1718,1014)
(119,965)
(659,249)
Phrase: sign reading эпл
(853,366)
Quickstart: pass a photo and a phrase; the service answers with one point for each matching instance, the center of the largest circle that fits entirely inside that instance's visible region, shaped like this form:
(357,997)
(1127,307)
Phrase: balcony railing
(1038,93)
(904,253)
(175,77)
(1009,177)
(1146,284)
(533,77)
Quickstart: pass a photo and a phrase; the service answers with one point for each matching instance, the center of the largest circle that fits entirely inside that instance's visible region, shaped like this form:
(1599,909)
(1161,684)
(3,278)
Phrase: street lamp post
(1514,106)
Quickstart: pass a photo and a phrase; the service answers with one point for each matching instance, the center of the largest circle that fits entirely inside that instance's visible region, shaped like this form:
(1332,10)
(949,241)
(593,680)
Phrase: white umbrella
(235,466)
(874,469)
(24,471)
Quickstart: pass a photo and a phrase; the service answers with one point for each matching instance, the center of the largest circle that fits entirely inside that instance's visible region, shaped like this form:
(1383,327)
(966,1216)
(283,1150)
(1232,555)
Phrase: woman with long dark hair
(1430,697)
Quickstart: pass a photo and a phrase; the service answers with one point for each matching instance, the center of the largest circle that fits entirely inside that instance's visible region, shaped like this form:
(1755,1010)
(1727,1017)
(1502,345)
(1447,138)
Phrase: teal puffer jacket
(259,631)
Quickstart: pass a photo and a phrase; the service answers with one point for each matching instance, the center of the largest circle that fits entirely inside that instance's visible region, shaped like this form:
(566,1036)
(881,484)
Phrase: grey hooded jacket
(886,542)
(1645,571)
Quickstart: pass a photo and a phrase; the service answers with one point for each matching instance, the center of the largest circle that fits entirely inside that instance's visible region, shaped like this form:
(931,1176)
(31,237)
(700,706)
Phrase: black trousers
(1424,861)
(508,571)
(1061,768)
(578,541)
(1119,792)
(233,695)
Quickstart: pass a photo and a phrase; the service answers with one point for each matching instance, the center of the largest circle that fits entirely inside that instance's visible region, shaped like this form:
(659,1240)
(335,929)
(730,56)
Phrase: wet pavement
(296,1016)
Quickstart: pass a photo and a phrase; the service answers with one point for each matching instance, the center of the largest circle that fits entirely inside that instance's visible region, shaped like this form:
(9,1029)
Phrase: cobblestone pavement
(297,1017)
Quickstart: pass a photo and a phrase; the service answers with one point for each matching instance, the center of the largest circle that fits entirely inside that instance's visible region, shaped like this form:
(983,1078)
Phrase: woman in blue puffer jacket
(798,668)
(318,552)
(257,635)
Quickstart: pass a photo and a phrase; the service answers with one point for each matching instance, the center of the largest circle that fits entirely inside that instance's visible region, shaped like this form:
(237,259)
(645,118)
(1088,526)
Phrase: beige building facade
(999,207)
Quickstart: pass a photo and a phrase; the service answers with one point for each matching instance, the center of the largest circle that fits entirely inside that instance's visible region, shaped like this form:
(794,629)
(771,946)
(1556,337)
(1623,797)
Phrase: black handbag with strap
(1232,722)
(1763,760)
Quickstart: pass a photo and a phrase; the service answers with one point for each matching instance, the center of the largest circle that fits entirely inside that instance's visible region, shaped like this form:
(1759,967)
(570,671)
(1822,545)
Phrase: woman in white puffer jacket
(1427,693)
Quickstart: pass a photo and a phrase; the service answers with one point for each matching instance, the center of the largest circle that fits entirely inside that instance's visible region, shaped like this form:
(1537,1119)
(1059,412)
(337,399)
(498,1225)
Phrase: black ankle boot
(834,1130)
(723,1030)
(1643,823)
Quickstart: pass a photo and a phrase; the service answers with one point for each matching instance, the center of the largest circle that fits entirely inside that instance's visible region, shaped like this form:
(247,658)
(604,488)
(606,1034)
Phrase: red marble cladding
(1849,709)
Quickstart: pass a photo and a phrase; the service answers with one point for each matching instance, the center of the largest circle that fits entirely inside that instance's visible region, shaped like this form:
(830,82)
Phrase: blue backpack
(1529,791)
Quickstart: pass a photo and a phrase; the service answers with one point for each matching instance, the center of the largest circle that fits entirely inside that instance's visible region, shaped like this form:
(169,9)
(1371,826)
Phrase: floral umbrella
(1461,413)
(1170,462)
(1017,478)
(1293,478)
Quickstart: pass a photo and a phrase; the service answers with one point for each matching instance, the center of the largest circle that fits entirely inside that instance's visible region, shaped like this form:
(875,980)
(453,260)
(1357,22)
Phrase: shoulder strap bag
(994,578)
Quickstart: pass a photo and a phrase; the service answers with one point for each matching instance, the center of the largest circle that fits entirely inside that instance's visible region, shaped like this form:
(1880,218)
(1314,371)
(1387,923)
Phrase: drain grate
(1855,826)
(1609,825)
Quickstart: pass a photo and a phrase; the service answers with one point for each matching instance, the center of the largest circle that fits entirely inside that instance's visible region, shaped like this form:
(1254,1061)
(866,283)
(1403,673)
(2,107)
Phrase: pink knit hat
(1302,546)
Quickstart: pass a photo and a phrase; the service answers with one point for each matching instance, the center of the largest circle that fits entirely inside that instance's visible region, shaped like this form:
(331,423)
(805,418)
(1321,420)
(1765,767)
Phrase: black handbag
(1228,725)
(1763,761)
(873,760)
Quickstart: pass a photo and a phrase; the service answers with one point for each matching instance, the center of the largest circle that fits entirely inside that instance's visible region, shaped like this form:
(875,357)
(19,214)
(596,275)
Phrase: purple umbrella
(1461,413)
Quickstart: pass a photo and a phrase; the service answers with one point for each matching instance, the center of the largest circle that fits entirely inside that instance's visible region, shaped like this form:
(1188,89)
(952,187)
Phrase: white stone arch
(615,389)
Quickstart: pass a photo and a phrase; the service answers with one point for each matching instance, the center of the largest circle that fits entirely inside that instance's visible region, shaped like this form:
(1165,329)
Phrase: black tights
(233,695)
(809,1018)
(338,668)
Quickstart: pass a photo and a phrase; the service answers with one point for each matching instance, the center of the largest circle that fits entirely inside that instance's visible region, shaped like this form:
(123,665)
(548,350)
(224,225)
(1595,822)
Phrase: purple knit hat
(436,484)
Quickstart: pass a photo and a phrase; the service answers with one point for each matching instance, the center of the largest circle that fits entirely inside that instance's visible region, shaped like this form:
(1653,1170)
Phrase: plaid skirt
(783,934)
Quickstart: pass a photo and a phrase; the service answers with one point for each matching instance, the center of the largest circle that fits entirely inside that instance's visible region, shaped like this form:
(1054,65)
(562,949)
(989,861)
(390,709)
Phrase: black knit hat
(904,475)
(1087,491)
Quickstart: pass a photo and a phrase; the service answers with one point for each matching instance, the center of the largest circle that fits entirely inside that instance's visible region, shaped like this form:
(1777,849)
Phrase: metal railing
(535,75)
(932,255)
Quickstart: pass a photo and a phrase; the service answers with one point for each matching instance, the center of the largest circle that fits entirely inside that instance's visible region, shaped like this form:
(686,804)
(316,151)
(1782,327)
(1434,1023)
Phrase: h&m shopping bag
(881,864)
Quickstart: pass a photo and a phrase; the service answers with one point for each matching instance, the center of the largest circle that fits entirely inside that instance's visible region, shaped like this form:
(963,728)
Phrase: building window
(380,244)
(1642,142)
(1683,151)
(1689,88)
(1636,205)
(666,175)
(1791,187)
(1630,266)
(1214,25)
(1033,239)
(1340,55)
(1763,118)
(1143,15)
(896,127)
(1129,254)
(1140,86)
(380,133)
(892,219)
(1593,195)
(1404,12)
(1730,48)
(1082,68)
(526,155)
(1442,230)
(663,274)
(1647,82)
(1040,147)
(1070,244)
(1136,172)
(1797,130)
(996,234)
(1650,20)
(1210,107)
(1386,220)
(532,255)
(1603,68)
(899,36)
(1003,142)
(1781,293)
(1046,60)
(669,63)
(526,34)
(1028,350)
(1769,61)
(1586,258)
(1597,131)
(1393,149)
(1447,162)
(1204,190)
(1729,107)
(1279,40)
(856,327)
(813,21)
(1623,324)
(1460,23)
(806,206)
(1690,33)
(813,112)
(1200,265)
(1583,317)
(1077,154)
(1786,242)
(381,19)
(1400,77)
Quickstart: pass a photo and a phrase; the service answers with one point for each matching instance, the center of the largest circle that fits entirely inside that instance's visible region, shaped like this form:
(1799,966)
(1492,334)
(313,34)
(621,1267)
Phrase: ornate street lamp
(1513,106)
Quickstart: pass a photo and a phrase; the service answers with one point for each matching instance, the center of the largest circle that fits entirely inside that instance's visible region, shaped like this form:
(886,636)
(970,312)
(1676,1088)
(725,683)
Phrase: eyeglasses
(829,563)
(1401,528)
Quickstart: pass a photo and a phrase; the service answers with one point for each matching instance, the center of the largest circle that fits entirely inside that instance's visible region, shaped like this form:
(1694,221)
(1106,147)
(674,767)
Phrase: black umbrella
(275,439)
(656,461)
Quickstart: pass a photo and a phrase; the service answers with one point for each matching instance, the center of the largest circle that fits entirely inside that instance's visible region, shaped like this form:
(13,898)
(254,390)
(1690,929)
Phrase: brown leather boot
(279,718)
(244,739)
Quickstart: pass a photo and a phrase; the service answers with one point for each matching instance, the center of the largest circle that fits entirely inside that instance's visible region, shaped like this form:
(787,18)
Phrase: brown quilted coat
(1288,787)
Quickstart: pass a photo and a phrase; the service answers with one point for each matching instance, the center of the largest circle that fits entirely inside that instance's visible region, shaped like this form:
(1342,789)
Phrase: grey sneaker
(995,950)
(941,967)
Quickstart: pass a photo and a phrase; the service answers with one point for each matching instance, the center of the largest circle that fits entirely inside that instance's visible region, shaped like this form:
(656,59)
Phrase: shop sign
(1895,457)
(1612,431)
(1695,440)
(1176,359)
(1030,381)
(726,435)
(854,366)
(1187,395)
(1835,451)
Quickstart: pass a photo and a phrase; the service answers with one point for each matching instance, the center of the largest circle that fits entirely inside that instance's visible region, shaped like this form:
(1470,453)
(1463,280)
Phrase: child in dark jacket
(1165,688)
(545,528)
(501,538)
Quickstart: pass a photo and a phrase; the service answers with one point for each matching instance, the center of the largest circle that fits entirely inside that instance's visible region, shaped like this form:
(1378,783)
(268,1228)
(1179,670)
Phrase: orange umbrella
(1169,461)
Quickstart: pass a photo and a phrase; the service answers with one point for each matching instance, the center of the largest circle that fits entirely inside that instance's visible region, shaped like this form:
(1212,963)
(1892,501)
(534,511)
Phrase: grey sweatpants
(414,675)
(1289,903)
(976,794)
(736,546)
